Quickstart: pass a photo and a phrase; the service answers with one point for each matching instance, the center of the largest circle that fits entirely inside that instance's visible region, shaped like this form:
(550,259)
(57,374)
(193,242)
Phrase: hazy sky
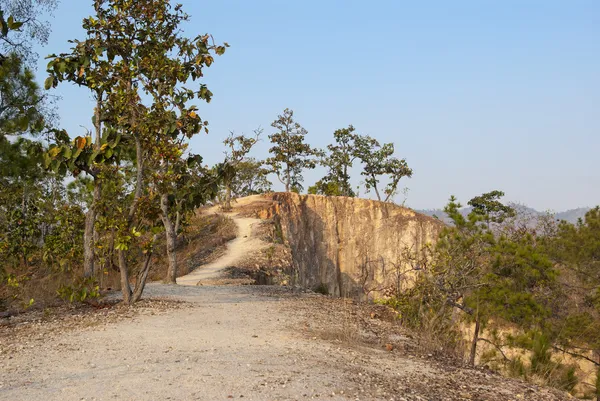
(476,95)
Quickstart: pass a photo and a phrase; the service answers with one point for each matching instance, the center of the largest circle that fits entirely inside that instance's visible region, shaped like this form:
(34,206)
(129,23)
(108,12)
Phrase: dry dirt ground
(225,342)
(241,247)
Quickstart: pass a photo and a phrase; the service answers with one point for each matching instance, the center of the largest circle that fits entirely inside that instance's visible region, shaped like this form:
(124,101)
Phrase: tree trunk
(128,294)
(377,193)
(178,219)
(125,286)
(141,279)
(288,178)
(88,242)
(375,188)
(90,217)
(227,205)
(346,184)
(474,343)
(171,235)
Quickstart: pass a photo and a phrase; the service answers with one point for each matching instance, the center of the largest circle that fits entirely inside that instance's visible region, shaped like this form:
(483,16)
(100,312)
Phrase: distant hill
(572,215)
(569,215)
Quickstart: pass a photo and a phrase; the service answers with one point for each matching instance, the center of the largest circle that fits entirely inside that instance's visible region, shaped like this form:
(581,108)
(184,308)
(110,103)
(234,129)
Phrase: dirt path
(237,249)
(251,343)
(230,343)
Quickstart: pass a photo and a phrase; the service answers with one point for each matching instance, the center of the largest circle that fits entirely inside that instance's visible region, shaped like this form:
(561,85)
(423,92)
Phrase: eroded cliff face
(353,247)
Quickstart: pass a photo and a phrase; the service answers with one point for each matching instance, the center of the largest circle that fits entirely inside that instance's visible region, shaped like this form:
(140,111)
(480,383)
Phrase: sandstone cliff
(352,247)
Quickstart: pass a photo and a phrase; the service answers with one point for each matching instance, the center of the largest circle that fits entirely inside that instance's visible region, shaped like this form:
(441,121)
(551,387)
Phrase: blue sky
(476,95)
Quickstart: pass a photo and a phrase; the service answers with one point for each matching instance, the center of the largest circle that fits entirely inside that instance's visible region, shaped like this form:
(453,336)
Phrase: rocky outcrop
(351,247)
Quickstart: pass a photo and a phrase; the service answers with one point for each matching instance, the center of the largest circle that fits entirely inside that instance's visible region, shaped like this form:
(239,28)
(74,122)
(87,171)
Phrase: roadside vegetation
(508,293)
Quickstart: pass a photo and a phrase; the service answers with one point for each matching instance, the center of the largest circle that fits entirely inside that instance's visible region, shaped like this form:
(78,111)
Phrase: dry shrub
(40,288)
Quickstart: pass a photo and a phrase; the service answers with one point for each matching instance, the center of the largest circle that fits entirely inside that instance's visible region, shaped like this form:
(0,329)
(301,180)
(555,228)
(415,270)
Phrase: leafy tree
(290,154)
(63,246)
(489,207)
(21,214)
(91,63)
(135,55)
(251,178)
(488,276)
(327,188)
(576,322)
(339,161)
(239,147)
(20,99)
(186,186)
(378,162)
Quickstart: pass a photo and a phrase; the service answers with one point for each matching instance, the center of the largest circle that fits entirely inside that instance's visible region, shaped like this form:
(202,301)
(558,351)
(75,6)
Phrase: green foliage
(537,281)
(239,173)
(492,277)
(80,291)
(338,161)
(489,206)
(63,246)
(379,162)
(26,202)
(327,188)
(21,100)
(290,153)
(80,154)
(251,178)
(141,70)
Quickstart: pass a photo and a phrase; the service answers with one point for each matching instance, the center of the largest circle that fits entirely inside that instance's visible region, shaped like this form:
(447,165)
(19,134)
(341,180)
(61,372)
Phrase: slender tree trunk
(141,279)
(178,219)
(88,243)
(171,235)
(139,178)
(474,343)
(288,179)
(90,217)
(125,286)
(227,197)
(128,297)
(346,184)
(377,193)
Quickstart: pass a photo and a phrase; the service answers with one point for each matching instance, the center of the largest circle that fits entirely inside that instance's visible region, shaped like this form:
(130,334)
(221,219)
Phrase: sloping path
(237,249)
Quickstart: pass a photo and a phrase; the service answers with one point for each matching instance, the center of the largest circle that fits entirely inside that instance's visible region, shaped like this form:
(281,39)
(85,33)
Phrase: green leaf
(12,24)
(93,157)
(47,160)
(4,27)
(49,82)
(67,153)
(54,151)
(116,141)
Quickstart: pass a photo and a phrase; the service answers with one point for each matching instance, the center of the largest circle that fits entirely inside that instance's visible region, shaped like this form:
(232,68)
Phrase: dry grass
(39,289)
